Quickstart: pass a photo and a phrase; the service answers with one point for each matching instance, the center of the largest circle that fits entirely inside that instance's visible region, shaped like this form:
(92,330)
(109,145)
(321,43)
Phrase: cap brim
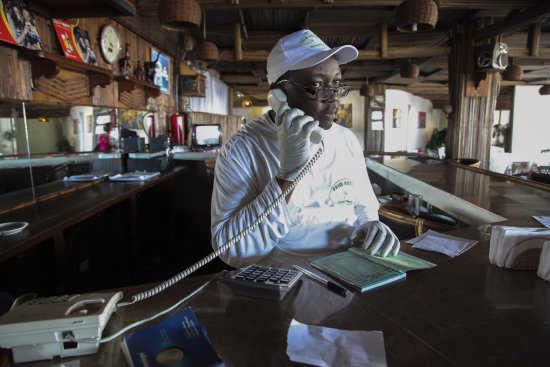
(343,54)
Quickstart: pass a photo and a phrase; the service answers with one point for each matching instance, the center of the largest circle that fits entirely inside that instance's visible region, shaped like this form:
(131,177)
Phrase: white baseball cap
(303,49)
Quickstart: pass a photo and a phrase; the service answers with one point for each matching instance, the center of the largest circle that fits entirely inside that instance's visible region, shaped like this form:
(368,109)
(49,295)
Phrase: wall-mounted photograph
(421,120)
(396,118)
(162,71)
(74,41)
(343,116)
(17,25)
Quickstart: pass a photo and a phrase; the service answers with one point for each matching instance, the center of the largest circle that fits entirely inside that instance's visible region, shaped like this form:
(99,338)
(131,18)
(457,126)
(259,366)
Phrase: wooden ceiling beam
(523,52)
(520,21)
(533,39)
(238,43)
(443,4)
(240,79)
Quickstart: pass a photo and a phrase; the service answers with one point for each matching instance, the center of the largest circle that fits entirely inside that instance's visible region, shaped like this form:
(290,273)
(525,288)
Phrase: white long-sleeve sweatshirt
(332,199)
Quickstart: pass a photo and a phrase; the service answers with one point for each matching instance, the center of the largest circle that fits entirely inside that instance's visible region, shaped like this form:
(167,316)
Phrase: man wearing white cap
(333,203)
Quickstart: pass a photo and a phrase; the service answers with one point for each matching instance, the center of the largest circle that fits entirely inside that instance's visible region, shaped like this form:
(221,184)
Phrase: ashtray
(12,227)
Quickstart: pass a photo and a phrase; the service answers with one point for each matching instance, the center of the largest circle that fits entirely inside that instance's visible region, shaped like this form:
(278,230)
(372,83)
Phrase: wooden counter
(89,228)
(470,195)
(464,312)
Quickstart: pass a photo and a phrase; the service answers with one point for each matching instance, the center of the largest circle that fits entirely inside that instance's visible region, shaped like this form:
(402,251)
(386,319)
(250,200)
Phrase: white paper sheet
(449,245)
(543,270)
(545,221)
(321,346)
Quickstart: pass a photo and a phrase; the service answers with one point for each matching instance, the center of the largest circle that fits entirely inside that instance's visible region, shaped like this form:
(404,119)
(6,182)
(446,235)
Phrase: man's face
(325,74)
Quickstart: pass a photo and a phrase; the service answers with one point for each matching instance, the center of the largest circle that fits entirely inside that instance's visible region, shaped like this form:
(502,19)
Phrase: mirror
(41,144)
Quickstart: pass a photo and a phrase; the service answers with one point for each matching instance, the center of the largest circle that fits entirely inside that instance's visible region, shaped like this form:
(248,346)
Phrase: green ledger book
(362,271)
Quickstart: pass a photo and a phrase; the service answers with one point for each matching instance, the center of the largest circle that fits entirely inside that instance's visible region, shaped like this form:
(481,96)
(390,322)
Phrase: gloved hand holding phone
(375,236)
(294,128)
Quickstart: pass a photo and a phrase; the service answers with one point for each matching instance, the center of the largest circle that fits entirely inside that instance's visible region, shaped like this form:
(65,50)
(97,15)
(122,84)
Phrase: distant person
(104,140)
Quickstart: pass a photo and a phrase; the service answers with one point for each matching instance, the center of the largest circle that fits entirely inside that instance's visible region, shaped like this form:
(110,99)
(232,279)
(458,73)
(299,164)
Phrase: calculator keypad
(266,274)
(263,281)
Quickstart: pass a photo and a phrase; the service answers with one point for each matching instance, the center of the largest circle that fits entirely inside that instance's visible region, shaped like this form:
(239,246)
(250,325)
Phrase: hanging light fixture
(179,15)
(206,50)
(513,73)
(448,109)
(416,15)
(367,90)
(409,70)
(246,103)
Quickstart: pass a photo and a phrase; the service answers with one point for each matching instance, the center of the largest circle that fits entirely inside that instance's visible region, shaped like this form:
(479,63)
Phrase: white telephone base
(39,328)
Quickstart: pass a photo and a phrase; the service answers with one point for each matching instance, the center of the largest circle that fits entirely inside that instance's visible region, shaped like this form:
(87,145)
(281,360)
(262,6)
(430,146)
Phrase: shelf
(48,64)
(128,84)
(193,85)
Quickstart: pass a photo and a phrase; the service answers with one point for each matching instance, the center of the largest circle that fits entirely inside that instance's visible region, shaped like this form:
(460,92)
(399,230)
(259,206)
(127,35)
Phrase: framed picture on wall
(343,116)
(421,120)
(162,71)
(396,118)
(17,25)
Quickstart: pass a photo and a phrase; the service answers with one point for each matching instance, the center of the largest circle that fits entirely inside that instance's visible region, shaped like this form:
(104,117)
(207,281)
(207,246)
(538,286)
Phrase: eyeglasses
(324,93)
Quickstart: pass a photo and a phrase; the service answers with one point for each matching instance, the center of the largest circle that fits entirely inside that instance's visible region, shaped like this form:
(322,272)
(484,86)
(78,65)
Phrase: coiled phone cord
(205,260)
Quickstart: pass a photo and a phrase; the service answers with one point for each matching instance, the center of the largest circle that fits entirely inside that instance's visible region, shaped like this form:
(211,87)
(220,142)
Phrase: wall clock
(109,41)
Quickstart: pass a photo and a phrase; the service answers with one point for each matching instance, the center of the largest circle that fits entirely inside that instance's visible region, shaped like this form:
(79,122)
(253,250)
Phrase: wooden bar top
(463,312)
(79,201)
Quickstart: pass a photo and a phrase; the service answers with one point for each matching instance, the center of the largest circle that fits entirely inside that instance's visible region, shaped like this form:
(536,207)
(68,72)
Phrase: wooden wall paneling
(469,127)
(134,99)
(160,38)
(106,97)
(15,83)
(48,38)
(67,87)
(164,106)
(229,124)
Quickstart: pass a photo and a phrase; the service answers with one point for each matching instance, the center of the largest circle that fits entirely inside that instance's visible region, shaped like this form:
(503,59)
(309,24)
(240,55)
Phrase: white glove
(375,236)
(294,129)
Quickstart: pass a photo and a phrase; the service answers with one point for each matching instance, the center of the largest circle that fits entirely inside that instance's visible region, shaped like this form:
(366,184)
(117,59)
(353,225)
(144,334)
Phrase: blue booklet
(362,271)
(176,341)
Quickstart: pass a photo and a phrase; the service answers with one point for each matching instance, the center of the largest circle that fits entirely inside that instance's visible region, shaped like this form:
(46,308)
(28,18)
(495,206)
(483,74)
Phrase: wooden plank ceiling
(262,22)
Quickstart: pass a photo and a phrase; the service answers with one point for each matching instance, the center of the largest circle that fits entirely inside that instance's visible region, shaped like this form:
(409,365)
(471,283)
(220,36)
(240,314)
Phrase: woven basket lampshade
(367,90)
(513,73)
(409,70)
(179,15)
(416,15)
(206,51)
(544,90)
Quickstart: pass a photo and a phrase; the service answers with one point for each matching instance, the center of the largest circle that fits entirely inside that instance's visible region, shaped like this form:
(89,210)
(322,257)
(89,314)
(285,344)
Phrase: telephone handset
(278,102)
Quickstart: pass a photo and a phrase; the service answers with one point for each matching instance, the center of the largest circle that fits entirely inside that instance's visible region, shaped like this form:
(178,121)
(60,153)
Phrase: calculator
(265,282)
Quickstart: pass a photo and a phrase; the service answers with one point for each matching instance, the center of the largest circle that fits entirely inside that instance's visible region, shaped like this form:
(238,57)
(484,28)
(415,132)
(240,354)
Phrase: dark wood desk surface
(464,312)
(47,218)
